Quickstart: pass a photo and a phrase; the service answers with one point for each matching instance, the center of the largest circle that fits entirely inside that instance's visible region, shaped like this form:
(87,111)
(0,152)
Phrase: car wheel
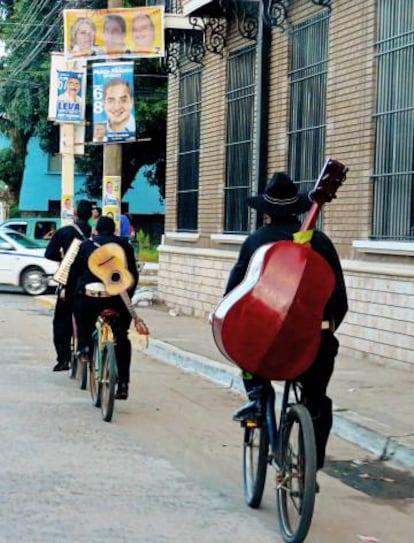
(34,281)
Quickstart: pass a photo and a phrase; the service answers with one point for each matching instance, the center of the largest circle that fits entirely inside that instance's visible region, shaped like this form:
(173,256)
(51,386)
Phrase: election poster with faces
(113,102)
(70,97)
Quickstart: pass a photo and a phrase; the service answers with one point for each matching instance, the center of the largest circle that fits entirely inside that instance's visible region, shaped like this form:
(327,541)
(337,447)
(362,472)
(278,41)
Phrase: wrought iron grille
(241,87)
(308,46)
(189,150)
(393,214)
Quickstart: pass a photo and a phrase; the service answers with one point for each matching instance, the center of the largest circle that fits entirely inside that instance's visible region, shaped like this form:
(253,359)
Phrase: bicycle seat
(109,315)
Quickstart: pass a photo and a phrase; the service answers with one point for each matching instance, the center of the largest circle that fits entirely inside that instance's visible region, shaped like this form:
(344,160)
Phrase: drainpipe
(262,103)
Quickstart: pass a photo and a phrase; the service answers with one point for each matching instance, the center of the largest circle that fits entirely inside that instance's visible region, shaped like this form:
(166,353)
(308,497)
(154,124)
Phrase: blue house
(41,191)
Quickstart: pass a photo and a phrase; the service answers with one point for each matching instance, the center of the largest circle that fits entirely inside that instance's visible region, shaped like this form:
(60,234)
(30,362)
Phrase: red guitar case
(276,332)
(270,324)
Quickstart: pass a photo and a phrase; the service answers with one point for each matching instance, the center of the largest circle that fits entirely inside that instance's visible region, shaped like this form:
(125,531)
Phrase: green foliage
(148,255)
(11,169)
(24,92)
(143,239)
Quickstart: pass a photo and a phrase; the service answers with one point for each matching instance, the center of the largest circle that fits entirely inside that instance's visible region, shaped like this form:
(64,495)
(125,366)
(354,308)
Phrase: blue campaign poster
(70,97)
(113,102)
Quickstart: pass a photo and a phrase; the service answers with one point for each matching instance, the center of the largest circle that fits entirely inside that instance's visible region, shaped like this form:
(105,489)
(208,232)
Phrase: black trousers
(62,329)
(315,383)
(86,310)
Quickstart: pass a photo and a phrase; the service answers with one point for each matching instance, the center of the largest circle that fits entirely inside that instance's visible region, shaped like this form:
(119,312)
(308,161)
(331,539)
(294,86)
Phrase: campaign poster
(60,64)
(113,102)
(111,199)
(114,33)
(70,97)
(66,207)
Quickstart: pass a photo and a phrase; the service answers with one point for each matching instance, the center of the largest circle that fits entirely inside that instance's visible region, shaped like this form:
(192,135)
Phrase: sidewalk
(373,404)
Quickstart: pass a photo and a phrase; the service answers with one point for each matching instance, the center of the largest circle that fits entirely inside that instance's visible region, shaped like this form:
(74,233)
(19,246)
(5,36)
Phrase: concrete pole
(112,153)
(68,166)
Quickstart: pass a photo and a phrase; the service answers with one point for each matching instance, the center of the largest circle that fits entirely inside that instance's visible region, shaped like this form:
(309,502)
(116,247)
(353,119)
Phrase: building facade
(281,86)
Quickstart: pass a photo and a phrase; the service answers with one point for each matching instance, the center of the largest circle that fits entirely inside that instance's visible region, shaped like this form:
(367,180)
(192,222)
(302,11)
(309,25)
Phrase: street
(166,469)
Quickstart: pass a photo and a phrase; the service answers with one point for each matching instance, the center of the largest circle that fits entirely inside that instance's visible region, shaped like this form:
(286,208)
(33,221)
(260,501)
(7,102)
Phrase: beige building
(281,86)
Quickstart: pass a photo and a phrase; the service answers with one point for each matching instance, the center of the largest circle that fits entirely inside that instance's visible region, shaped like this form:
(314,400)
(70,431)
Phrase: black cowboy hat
(280,198)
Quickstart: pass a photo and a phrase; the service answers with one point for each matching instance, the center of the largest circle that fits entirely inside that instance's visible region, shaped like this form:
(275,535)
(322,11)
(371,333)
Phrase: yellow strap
(303,237)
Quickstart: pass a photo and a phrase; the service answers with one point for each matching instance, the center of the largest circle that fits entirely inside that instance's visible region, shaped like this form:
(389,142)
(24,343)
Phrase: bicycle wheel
(73,364)
(94,381)
(296,481)
(255,459)
(108,381)
(82,374)
(73,350)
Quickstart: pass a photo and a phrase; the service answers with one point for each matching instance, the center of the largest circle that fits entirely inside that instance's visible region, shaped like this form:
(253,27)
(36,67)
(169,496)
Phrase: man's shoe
(250,411)
(61,366)
(122,392)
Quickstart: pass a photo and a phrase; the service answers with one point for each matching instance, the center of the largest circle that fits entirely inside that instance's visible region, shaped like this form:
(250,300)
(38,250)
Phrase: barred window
(189,150)
(393,213)
(308,49)
(241,87)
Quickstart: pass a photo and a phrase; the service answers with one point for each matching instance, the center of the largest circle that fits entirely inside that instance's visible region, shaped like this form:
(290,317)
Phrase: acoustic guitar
(270,324)
(108,262)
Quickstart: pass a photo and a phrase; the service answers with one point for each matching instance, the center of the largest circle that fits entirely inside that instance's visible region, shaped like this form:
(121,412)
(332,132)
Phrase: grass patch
(148,255)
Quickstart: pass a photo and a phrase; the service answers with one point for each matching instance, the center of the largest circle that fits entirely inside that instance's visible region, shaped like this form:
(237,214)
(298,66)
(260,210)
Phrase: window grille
(241,88)
(393,210)
(308,49)
(189,150)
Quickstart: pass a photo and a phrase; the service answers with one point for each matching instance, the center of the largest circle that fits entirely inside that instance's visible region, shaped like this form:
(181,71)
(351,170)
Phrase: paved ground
(373,403)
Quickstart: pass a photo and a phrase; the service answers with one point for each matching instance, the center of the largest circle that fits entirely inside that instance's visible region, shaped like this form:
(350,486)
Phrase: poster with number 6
(113,102)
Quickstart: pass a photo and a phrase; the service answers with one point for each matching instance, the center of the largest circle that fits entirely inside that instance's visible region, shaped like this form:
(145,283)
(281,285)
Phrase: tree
(30,31)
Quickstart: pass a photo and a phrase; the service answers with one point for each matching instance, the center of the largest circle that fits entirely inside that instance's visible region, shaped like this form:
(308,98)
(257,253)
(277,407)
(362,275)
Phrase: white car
(23,264)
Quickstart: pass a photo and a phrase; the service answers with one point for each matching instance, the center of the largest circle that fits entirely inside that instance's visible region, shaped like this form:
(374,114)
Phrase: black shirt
(283,229)
(63,237)
(80,275)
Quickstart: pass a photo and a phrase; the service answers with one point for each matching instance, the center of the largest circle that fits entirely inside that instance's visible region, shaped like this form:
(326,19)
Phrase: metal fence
(308,53)
(240,95)
(189,150)
(393,214)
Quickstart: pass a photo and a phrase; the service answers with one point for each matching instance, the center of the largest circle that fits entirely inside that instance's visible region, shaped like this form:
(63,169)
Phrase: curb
(347,425)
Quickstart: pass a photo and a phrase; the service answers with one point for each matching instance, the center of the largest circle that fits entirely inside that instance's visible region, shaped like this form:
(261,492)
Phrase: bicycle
(77,371)
(288,445)
(103,370)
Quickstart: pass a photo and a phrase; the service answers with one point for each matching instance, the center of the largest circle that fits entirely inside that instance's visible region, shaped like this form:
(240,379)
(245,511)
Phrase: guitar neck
(312,215)
(127,301)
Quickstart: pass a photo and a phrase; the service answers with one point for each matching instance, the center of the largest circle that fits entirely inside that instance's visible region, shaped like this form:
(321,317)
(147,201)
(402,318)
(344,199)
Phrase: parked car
(23,264)
(39,229)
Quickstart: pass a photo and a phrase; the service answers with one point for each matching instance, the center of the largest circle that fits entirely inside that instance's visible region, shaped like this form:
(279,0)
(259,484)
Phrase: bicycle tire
(82,375)
(255,460)
(296,483)
(95,387)
(73,365)
(108,381)
(73,350)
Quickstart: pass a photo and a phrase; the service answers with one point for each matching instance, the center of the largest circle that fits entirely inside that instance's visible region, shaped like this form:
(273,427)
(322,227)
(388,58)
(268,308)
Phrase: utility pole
(112,153)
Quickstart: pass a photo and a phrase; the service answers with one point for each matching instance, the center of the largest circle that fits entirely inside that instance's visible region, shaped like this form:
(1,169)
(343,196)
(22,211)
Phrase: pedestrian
(125,229)
(56,249)
(280,205)
(90,297)
(96,213)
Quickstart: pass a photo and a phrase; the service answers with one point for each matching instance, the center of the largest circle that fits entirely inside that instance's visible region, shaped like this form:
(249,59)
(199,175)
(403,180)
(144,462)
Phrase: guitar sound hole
(115,277)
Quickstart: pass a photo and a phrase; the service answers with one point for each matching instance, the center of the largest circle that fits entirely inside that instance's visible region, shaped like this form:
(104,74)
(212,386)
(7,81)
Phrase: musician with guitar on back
(91,292)
(56,249)
(280,205)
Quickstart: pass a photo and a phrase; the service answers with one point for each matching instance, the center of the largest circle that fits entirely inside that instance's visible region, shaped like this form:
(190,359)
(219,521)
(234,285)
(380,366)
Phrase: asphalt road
(166,469)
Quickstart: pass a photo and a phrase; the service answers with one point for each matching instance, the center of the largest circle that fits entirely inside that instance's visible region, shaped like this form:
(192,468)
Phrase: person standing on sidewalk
(56,250)
(280,205)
